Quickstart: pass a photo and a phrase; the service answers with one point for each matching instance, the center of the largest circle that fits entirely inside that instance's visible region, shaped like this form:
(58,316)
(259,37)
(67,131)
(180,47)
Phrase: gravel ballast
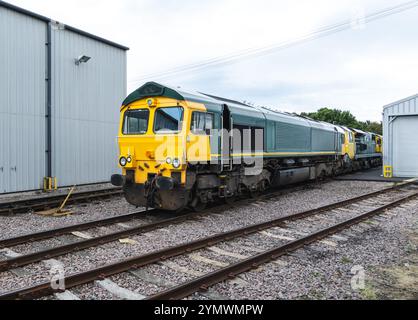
(235,217)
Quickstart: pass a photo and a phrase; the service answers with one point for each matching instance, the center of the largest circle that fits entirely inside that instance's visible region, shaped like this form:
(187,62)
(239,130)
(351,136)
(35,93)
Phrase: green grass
(368,294)
(346,260)
(411,248)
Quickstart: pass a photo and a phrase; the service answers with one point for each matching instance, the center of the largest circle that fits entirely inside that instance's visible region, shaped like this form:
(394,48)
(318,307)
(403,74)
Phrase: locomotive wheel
(230,200)
(263,186)
(242,191)
(321,177)
(179,211)
(254,193)
(197,205)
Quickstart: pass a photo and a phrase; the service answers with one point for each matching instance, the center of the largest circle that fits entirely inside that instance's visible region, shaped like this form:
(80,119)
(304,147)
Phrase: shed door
(405,150)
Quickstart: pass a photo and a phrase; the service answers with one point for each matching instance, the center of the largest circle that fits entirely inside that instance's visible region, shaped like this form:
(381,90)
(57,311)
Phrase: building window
(202,123)
(136,122)
(168,120)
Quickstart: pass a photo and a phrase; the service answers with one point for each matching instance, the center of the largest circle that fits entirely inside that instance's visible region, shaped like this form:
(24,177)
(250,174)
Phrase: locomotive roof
(227,100)
(216,104)
(360,131)
(153,89)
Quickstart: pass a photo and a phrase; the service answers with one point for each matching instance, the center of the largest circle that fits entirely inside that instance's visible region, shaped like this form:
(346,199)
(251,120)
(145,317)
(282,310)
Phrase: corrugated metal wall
(404,108)
(22,101)
(85,102)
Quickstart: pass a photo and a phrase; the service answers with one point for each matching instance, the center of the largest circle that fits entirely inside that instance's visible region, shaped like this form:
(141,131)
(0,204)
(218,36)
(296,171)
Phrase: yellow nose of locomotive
(145,169)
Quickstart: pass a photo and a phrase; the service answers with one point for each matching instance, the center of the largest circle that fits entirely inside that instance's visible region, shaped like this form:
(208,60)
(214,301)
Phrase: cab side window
(202,123)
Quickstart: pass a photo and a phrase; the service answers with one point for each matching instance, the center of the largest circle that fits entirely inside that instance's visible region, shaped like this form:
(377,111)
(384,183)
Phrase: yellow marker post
(388,172)
(50,184)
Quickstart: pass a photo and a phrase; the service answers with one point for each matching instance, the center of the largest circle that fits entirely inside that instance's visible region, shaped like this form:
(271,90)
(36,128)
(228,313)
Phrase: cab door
(199,148)
(351,145)
(379,144)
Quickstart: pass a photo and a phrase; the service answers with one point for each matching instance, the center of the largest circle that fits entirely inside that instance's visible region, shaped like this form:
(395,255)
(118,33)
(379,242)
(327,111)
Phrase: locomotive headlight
(176,163)
(169,160)
(123,162)
(129,159)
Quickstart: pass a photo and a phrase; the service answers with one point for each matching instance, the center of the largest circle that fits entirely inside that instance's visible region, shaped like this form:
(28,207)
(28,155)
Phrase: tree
(344,118)
(375,127)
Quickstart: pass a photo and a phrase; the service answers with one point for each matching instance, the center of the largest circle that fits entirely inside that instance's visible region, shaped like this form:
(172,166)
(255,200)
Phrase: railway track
(377,202)
(50,202)
(47,234)
(205,282)
(24,260)
(89,243)
(176,218)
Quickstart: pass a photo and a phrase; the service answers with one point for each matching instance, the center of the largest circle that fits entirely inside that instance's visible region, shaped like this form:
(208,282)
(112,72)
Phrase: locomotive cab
(348,146)
(379,143)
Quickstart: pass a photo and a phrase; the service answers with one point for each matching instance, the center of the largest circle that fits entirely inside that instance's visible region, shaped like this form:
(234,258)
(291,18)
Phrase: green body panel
(283,133)
(291,134)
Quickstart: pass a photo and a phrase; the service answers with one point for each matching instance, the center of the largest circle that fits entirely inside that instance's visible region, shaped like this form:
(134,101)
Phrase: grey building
(60,92)
(400,129)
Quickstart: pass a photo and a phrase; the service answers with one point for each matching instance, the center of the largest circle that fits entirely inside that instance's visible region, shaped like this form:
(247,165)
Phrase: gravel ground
(20,224)
(233,218)
(70,238)
(40,194)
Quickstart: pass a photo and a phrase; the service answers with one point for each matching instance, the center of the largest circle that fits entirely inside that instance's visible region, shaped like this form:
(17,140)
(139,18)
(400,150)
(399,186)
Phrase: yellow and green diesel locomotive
(184,150)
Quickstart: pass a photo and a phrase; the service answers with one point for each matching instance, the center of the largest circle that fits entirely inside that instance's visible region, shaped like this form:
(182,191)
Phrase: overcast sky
(360,69)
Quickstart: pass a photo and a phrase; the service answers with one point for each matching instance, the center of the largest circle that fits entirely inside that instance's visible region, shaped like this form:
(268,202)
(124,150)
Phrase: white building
(60,92)
(400,129)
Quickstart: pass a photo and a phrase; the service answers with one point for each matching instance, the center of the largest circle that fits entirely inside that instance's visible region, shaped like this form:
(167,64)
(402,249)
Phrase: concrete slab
(150,278)
(66,296)
(180,269)
(214,296)
(82,235)
(21,272)
(199,258)
(118,291)
(227,253)
(372,175)
(270,235)
(124,225)
(10,253)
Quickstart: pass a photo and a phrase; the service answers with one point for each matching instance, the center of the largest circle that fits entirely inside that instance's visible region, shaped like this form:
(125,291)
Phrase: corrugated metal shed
(22,101)
(400,129)
(37,63)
